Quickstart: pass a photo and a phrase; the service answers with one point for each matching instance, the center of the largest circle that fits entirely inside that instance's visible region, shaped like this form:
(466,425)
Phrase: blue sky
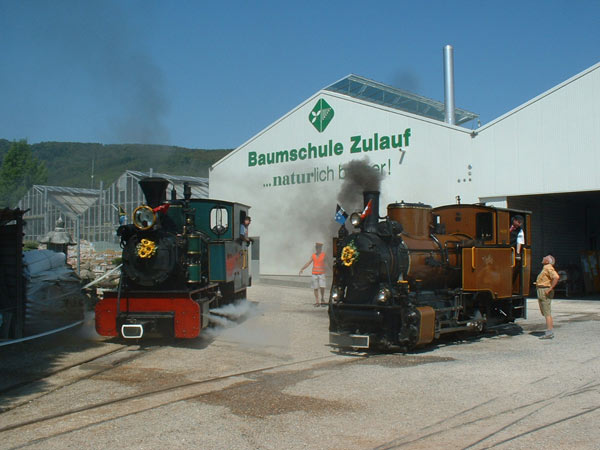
(205,74)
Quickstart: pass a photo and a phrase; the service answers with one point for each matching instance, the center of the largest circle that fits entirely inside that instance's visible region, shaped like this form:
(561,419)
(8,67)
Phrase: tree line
(19,171)
(89,165)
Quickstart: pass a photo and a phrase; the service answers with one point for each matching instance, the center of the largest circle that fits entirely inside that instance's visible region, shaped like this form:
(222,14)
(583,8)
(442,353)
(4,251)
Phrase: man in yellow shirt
(545,284)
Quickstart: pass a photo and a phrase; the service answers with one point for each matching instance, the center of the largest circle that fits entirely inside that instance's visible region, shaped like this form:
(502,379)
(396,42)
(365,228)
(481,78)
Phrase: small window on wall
(484,226)
(219,220)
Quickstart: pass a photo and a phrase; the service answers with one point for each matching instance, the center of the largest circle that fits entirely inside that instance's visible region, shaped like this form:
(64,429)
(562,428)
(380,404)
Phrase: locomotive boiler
(180,258)
(422,272)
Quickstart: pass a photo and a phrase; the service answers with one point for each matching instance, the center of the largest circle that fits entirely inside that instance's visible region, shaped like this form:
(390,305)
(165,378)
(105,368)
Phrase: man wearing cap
(318,273)
(545,284)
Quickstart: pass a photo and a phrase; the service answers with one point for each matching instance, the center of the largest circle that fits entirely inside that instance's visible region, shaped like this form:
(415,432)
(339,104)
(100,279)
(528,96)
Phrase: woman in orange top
(318,273)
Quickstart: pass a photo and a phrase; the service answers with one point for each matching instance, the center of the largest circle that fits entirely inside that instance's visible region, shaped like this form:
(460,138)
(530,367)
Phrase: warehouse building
(539,157)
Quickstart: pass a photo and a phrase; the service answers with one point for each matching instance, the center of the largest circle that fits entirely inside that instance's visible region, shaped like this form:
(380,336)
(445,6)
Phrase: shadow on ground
(465,338)
(26,364)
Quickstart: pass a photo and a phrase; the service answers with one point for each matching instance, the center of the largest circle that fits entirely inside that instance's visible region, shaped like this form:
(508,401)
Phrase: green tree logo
(321,115)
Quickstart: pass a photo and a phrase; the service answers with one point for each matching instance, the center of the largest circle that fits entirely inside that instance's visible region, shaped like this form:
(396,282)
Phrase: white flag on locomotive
(340,215)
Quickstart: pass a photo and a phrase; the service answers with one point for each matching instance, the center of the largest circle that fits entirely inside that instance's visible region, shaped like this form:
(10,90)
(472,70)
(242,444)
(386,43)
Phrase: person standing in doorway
(318,273)
(244,231)
(517,240)
(545,284)
(517,236)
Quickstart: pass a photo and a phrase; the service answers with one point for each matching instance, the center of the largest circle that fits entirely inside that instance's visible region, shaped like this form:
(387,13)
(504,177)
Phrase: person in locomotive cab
(545,284)
(517,236)
(318,273)
(244,231)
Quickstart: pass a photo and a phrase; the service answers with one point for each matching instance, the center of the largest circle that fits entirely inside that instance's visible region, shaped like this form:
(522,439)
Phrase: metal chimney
(155,190)
(449,85)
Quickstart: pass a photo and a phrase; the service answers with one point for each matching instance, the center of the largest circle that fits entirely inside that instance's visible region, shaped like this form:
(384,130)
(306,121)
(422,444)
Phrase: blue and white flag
(122,216)
(340,215)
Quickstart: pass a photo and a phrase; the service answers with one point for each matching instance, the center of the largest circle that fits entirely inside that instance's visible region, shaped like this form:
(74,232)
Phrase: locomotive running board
(348,340)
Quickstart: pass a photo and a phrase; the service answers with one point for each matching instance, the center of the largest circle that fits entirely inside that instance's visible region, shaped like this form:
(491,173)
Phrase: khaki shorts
(318,281)
(544,300)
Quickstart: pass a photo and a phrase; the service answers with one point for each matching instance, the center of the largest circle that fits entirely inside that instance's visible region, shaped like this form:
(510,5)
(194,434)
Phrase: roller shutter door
(558,227)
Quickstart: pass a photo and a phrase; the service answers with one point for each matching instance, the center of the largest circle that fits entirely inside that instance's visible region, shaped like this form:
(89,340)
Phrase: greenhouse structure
(93,214)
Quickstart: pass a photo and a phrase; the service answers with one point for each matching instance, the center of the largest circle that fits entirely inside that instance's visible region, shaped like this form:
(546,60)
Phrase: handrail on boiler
(447,254)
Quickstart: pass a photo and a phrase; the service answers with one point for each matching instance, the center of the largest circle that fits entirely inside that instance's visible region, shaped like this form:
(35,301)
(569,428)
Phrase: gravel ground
(506,390)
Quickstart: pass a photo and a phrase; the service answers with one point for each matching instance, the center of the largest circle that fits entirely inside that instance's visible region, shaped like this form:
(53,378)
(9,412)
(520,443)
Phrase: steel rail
(151,393)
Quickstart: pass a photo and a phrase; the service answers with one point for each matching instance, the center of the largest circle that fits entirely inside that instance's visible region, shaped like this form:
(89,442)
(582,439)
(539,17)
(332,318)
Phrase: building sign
(357,144)
(321,115)
(388,146)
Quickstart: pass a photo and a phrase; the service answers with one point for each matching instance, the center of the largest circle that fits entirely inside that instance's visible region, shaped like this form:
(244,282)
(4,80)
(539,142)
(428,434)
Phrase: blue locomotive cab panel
(229,263)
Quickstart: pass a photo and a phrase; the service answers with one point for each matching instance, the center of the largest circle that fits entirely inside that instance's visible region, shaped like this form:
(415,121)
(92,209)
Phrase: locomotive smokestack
(155,190)
(450,116)
(371,220)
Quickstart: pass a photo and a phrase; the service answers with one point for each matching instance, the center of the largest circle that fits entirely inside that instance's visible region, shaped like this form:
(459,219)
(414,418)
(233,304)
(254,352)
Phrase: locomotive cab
(422,272)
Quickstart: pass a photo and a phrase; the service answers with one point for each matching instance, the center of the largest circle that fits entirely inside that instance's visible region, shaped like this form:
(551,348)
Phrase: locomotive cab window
(484,226)
(243,228)
(219,220)
(437,226)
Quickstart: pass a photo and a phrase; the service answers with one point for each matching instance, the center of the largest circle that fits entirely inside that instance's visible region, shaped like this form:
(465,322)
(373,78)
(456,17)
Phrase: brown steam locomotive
(422,272)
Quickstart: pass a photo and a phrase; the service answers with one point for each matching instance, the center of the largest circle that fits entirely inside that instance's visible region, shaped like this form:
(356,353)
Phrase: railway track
(489,393)
(103,362)
(509,420)
(114,409)
(48,374)
(112,358)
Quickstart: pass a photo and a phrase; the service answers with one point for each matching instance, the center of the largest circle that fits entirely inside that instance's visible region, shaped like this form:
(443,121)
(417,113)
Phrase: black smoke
(359,176)
(406,80)
(109,61)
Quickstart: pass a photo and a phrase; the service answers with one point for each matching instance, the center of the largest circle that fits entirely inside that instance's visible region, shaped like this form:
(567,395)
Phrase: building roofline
(383,94)
(346,97)
(67,190)
(539,97)
(168,177)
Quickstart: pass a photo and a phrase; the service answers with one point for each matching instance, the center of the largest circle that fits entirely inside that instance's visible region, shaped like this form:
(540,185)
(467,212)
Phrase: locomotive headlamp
(143,217)
(383,295)
(355,219)
(336,294)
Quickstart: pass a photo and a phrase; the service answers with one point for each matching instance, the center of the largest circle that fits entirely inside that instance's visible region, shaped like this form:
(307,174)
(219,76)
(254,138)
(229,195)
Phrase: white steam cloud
(233,323)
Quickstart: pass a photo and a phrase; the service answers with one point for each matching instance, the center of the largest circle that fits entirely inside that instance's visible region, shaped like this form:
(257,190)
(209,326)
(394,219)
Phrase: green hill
(70,163)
